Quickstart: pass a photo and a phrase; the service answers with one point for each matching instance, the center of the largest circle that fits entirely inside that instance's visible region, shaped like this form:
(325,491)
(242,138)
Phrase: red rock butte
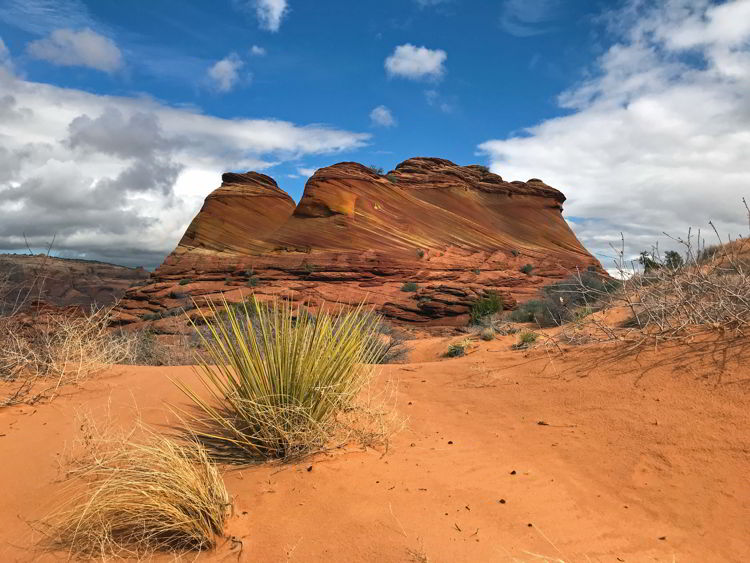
(457,232)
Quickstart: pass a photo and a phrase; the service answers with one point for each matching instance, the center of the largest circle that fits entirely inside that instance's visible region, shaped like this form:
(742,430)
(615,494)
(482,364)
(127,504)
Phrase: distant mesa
(457,232)
(63,281)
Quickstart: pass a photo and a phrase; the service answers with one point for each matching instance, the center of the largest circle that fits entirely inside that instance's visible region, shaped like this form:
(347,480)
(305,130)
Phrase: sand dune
(589,454)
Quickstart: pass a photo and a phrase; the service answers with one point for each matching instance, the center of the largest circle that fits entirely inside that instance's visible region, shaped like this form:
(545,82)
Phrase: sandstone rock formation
(62,281)
(457,232)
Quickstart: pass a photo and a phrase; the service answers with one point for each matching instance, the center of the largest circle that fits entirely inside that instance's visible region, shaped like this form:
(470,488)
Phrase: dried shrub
(131,498)
(709,291)
(145,348)
(458,349)
(487,334)
(56,350)
(393,347)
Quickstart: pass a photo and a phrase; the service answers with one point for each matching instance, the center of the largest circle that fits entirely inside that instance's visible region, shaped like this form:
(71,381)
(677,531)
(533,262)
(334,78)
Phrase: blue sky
(125,113)
(325,64)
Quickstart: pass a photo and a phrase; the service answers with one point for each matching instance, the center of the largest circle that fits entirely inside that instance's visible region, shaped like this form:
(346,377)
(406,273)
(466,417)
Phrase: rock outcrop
(457,232)
(62,281)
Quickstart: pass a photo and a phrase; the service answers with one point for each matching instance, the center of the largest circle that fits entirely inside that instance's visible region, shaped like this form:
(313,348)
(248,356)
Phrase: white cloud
(119,178)
(524,18)
(659,138)
(257,51)
(434,99)
(68,47)
(382,117)
(226,72)
(5,60)
(415,63)
(306,171)
(40,17)
(270,13)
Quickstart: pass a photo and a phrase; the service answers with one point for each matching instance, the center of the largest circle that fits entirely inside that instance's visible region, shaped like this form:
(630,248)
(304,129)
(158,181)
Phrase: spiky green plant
(277,377)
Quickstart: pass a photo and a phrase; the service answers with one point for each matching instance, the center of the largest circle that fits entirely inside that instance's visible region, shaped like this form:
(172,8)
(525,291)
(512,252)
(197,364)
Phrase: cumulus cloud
(257,51)
(68,47)
(382,117)
(118,178)
(416,63)
(659,136)
(524,18)
(226,72)
(270,13)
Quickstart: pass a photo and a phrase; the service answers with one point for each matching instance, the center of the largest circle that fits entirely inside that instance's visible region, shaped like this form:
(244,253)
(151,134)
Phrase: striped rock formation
(356,236)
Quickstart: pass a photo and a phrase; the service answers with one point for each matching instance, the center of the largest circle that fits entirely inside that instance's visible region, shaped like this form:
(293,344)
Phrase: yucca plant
(278,377)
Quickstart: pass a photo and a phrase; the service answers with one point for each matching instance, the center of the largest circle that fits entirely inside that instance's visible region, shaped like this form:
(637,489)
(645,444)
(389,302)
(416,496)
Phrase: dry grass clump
(132,498)
(145,348)
(278,378)
(56,349)
(458,349)
(487,334)
(526,340)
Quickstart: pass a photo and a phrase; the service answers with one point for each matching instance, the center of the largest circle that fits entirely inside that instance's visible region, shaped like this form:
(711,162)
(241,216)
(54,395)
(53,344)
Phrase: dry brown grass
(132,497)
(43,354)
(665,303)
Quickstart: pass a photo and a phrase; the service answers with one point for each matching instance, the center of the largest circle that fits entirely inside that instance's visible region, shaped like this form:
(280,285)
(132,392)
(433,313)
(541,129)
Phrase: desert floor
(593,453)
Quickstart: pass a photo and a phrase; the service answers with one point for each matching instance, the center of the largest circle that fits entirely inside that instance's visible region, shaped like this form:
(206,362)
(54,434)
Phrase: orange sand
(642,457)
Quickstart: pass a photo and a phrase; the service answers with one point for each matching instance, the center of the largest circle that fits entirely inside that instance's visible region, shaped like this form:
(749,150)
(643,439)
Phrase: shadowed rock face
(456,231)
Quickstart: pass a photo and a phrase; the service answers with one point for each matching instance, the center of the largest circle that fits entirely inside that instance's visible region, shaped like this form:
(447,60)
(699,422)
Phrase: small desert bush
(392,347)
(487,334)
(145,348)
(185,281)
(567,300)
(253,281)
(410,287)
(420,253)
(526,339)
(278,378)
(458,349)
(134,498)
(527,269)
(527,312)
(488,305)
